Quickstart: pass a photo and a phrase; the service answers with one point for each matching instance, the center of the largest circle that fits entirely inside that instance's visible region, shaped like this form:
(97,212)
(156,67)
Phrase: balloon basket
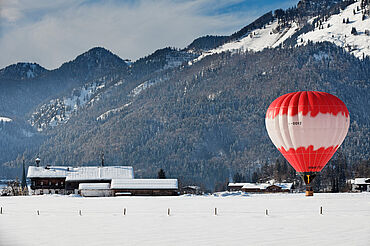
(309,192)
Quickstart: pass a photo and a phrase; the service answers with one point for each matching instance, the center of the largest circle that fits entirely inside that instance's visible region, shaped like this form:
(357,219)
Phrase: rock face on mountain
(198,112)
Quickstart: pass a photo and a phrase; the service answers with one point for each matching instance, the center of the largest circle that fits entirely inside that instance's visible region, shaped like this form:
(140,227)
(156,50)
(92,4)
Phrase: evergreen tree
(161,174)
(238,178)
(24,182)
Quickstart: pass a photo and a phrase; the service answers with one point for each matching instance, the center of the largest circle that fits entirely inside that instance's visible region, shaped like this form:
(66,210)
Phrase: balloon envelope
(307,127)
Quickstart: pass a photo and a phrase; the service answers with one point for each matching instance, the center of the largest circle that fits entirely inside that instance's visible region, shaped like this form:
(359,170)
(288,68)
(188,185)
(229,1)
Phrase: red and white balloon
(307,127)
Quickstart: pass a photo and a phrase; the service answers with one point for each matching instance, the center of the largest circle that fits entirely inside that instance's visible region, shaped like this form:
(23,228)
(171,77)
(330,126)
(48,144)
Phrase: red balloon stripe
(313,102)
(307,159)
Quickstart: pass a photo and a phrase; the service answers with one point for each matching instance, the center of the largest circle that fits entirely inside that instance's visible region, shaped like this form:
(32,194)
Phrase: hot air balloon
(307,127)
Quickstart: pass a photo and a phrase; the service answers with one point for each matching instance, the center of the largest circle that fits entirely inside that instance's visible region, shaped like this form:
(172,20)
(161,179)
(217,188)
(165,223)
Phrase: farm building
(261,187)
(191,189)
(66,180)
(145,187)
(98,181)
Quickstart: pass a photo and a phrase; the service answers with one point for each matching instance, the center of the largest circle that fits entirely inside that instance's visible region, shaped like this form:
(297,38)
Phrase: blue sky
(52,32)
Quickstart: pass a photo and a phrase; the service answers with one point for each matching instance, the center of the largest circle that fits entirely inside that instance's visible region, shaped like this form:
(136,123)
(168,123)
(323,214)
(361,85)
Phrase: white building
(360,184)
(66,180)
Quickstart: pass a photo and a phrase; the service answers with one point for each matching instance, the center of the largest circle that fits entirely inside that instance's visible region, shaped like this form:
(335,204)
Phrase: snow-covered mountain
(22,71)
(271,35)
(59,111)
(349,29)
(61,108)
(344,23)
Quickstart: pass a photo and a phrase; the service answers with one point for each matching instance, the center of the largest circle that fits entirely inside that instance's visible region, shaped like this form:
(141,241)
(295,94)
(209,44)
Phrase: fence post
(168,212)
(1,210)
(124,211)
(321,210)
(215,211)
(80,213)
(38,212)
(267,212)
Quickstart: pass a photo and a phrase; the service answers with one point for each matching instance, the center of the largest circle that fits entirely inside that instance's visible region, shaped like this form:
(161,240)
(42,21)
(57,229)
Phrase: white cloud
(53,32)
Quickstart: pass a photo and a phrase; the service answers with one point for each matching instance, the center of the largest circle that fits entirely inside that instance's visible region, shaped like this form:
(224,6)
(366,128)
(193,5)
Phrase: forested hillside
(204,122)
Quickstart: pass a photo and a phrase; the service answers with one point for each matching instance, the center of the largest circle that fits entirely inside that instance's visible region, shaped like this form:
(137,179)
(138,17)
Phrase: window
(42,183)
(49,183)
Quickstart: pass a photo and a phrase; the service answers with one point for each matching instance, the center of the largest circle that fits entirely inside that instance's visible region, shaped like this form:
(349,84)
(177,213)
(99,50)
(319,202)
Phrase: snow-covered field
(293,220)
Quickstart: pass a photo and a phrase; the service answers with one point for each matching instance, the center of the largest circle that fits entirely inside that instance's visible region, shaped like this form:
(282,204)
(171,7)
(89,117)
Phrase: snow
(81,173)
(143,86)
(60,110)
(286,186)
(261,186)
(256,40)
(144,184)
(107,114)
(31,69)
(30,74)
(339,33)
(49,172)
(5,119)
(361,181)
(236,184)
(94,186)
(293,220)
(101,173)
(255,186)
(118,83)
